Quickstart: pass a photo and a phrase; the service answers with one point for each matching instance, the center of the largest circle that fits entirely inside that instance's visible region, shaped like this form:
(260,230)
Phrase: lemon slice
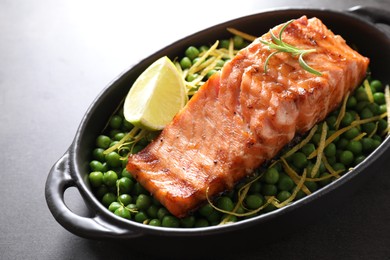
(156,96)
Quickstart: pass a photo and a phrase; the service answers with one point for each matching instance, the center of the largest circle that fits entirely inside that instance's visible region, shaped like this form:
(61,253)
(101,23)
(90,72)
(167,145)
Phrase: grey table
(55,58)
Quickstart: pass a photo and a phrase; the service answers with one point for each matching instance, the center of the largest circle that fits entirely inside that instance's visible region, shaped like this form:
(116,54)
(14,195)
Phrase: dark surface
(57,56)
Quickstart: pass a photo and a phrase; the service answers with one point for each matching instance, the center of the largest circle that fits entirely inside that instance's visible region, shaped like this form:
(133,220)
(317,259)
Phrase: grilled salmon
(244,115)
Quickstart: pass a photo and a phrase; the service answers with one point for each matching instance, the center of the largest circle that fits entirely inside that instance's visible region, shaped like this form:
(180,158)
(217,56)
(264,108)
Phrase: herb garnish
(280,46)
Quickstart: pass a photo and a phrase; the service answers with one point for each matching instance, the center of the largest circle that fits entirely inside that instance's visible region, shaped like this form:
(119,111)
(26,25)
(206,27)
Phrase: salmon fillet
(242,116)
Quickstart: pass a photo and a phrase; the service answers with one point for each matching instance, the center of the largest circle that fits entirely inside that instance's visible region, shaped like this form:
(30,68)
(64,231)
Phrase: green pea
(161,212)
(136,148)
(201,222)
(316,138)
(382,125)
(126,174)
(271,176)
(254,201)
(225,203)
(366,113)
(229,218)
(109,178)
(367,144)
(285,183)
(238,42)
(360,106)
(113,142)
(195,60)
(374,108)
(192,52)
(269,190)
(125,185)
(139,189)
(187,222)
(206,210)
(108,198)
(97,166)
(299,160)
(361,94)
(185,63)
(342,143)
(377,143)
(140,217)
(143,201)
(322,167)
(170,221)
(113,159)
(191,77)
(347,119)
(203,48)
(210,73)
(255,187)
(309,170)
(283,195)
(155,222)
(116,122)
(103,141)
(240,209)
(132,208)
(98,154)
(351,133)
(330,150)
(355,147)
(152,211)
(377,85)
(113,132)
(382,108)
(124,160)
(224,44)
(351,102)
(125,199)
(308,148)
(355,114)
(219,64)
(379,98)
(96,179)
(346,157)
(377,137)
(311,185)
(339,167)
(214,217)
(126,126)
(114,206)
(331,132)
(101,191)
(118,136)
(331,121)
(369,127)
(123,212)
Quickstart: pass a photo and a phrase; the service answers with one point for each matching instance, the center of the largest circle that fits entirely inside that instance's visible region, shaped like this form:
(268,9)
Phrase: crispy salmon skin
(243,116)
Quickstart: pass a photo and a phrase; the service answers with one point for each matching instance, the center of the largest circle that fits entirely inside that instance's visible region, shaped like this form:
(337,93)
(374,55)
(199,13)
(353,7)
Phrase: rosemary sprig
(280,46)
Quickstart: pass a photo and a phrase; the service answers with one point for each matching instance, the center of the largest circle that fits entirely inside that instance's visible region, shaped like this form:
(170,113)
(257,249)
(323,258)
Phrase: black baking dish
(359,26)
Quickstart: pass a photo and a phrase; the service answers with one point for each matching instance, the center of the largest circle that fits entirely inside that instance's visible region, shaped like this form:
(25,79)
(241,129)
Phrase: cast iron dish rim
(102,212)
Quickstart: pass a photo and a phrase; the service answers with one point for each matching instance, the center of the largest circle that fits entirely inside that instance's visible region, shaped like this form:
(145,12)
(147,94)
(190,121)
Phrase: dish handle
(96,227)
(374,15)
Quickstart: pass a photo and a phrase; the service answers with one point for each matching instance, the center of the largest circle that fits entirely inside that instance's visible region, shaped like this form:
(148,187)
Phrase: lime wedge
(156,96)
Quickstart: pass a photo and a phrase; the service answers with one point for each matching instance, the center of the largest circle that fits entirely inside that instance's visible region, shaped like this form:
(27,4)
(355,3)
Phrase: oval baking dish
(355,25)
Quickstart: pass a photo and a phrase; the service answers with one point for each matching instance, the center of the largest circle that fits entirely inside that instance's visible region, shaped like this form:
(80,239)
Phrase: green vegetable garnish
(280,46)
